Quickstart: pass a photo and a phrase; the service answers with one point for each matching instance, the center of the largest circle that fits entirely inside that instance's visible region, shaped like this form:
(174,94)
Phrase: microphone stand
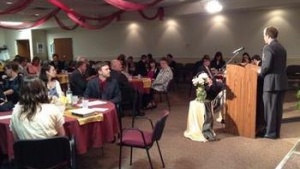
(235,54)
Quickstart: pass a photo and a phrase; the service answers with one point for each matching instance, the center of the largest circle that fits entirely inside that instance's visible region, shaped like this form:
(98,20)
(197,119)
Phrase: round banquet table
(92,134)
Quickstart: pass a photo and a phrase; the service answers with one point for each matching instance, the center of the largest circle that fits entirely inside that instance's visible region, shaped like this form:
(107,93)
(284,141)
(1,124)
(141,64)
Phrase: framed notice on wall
(40,48)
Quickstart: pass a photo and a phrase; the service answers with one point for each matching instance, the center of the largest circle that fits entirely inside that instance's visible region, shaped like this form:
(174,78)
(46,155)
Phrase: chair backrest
(43,153)
(168,86)
(293,70)
(159,126)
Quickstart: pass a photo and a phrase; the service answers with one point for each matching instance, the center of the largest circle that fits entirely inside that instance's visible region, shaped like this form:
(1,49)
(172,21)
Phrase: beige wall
(188,38)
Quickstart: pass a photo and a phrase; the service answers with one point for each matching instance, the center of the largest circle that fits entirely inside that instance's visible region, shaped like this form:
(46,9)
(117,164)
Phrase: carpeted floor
(232,152)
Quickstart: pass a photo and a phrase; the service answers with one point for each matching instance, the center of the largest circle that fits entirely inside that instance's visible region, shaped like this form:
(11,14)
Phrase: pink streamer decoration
(131,6)
(32,24)
(16,7)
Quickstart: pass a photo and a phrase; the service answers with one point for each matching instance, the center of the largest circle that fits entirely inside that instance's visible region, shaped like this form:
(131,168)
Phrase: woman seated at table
(48,76)
(153,70)
(161,82)
(34,117)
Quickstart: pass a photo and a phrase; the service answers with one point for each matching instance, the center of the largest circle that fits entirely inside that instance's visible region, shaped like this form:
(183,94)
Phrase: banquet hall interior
(187,29)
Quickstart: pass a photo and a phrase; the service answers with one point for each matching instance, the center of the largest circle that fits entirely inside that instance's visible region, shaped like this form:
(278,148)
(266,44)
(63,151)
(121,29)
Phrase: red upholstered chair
(136,138)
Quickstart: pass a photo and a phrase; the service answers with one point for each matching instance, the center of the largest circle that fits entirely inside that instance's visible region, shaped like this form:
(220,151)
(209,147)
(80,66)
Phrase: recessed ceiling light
(36,14)
(213,6)
(9,3)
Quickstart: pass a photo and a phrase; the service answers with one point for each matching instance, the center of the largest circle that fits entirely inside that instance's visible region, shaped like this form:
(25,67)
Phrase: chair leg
(120,157)
(130,155)
(162,160)
(147,150)
(168,102)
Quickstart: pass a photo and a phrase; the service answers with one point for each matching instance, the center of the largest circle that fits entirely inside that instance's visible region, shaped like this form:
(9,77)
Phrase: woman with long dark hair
(218,62)
(33,116)
(48,76)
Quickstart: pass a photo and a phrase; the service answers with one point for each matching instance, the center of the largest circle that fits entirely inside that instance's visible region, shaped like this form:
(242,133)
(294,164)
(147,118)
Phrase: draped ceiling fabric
(79,19)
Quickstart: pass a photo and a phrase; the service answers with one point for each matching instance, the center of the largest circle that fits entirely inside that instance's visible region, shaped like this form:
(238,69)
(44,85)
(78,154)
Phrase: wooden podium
(241,88)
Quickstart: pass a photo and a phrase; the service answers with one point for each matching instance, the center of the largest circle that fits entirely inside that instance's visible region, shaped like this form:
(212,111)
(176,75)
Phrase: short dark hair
(256,57)
(99,65)
(12,65)
(79,63)
(206,57)
(272,32)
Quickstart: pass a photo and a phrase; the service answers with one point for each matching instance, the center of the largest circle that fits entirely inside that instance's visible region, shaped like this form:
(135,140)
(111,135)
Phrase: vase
(200,94)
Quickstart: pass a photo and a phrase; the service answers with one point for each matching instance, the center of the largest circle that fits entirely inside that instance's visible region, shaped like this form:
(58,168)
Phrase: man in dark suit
(129,94)
(103,87)
(78,79)
(273,71)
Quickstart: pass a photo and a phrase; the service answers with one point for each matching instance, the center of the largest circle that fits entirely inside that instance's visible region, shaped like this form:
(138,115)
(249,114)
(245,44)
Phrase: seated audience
(127,90)
(256,60)
(12,83)
(33,68)
(78,79)
(199,64)
(153,70)
(215,86)
(161,82)
(5,105)
(218,63)
(246,59)
(122,59)
(141,66)
(131,65)
(34,117)
(103,87)
(171,62)
(48,76)
(58,65)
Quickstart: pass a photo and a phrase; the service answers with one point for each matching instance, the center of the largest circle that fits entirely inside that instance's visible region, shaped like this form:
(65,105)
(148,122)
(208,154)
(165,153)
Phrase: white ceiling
(172,7)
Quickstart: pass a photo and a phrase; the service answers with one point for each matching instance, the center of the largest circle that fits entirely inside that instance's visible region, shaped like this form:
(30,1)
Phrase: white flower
(200,79)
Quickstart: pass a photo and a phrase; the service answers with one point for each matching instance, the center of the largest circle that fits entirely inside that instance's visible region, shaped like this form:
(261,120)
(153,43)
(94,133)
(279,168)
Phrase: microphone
(238,50)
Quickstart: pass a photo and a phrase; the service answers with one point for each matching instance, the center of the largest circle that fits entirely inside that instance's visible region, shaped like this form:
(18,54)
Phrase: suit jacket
(273,68)
(77,82)
(111,92)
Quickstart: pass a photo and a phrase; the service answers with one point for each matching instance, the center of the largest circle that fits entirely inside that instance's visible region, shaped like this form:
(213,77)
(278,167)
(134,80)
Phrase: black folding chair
(56,152)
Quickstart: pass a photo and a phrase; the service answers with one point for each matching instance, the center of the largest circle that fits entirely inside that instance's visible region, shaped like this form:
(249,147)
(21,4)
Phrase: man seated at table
(78,79)
(103,87)
(127,90)
(34,117)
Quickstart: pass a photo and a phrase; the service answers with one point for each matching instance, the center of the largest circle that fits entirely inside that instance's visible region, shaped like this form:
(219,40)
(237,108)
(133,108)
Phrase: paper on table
(93,103)
(82,111)
(5,117)
(99,109)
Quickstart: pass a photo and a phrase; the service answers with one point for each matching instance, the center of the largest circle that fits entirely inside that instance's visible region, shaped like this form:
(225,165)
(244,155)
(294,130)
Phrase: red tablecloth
(142,85)
(89,135)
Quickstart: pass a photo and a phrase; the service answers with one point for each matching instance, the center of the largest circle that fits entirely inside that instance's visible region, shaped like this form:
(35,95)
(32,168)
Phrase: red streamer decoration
(159,14)
(82,22)
(16,7)
(131,6)
(63,26)
(32,24)
(80,19)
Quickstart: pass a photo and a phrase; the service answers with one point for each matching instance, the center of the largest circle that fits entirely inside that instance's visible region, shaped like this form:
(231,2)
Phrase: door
(64,48)
(23,48)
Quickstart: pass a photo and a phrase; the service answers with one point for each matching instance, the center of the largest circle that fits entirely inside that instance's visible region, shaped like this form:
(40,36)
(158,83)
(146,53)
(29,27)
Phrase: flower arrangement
(199,81)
